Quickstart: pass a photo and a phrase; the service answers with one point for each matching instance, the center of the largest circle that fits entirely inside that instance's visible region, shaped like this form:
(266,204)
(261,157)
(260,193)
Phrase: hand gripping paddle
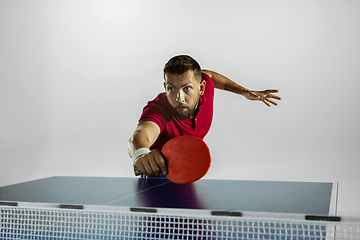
(187,159)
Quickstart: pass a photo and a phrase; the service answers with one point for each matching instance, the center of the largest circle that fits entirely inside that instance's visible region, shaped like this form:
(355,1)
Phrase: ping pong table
(155,208)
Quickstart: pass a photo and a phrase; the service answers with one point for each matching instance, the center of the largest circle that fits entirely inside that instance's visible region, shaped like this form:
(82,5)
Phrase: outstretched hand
(264,96)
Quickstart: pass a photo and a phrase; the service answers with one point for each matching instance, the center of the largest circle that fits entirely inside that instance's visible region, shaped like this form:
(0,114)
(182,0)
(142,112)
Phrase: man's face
(183,92)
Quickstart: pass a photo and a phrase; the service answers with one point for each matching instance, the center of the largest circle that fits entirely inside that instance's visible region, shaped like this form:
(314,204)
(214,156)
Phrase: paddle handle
(137,171)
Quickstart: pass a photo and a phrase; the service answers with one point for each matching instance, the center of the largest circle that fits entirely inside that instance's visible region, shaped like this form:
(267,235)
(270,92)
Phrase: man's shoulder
(158,111)
(159,105)
(160,100)
(205,77)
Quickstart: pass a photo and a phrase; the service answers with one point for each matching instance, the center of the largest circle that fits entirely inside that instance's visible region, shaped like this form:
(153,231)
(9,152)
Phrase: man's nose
(180,96)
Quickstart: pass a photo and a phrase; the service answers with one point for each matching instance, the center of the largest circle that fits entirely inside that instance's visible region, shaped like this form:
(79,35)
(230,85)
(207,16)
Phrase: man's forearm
(138,140)
(145,161)
(144,136)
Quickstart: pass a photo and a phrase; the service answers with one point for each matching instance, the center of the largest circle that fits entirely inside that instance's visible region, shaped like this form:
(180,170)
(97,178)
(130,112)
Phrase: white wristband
(138,153)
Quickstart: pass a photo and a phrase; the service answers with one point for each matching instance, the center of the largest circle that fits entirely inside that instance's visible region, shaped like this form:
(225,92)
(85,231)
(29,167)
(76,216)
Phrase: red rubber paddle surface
(187,158)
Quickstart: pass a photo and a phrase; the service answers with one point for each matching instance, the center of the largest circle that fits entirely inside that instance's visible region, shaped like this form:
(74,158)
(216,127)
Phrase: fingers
(271,91)
(267,104)
(152,164)
(276,97)
(273,96)
(267,97)
(157,163)
(140,167)
(161,163)
(267,101)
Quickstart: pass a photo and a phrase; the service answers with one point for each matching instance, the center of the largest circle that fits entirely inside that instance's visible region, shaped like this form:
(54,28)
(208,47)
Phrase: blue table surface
(221,195)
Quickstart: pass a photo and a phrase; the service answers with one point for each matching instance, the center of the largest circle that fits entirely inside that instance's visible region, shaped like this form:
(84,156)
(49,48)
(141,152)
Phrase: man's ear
(165,86)
(202,87)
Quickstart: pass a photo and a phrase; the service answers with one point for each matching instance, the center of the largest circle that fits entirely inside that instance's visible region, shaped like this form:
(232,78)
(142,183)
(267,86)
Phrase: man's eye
(187,88)
(170,89)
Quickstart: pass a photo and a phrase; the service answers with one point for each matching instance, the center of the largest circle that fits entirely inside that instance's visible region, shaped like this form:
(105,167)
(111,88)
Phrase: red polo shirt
(160,112)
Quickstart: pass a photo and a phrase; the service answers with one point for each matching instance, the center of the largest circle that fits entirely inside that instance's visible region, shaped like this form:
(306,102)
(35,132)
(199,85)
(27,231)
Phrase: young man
(185,108)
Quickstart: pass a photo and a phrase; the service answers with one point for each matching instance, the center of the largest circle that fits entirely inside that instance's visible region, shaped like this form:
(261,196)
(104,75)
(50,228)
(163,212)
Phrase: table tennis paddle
(187,159)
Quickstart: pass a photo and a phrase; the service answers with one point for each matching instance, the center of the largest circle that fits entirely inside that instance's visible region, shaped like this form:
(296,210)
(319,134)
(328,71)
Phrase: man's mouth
(181,108)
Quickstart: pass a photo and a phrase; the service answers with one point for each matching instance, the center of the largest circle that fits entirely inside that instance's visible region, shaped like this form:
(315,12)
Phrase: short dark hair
(181,64)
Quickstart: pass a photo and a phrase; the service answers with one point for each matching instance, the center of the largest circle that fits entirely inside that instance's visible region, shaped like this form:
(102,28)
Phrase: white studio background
(75,75)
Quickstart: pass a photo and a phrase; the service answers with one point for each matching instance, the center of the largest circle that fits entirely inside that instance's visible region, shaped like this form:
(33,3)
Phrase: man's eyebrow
(188,83)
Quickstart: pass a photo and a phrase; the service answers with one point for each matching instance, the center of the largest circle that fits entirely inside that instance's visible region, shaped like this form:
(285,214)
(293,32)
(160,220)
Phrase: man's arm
(148,162)
(224,83)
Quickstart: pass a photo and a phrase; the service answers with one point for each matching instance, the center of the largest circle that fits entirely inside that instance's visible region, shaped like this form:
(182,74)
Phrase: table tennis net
(47,223)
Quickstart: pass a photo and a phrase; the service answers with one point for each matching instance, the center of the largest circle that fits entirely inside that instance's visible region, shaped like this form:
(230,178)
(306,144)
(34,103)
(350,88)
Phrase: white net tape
(38,223)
